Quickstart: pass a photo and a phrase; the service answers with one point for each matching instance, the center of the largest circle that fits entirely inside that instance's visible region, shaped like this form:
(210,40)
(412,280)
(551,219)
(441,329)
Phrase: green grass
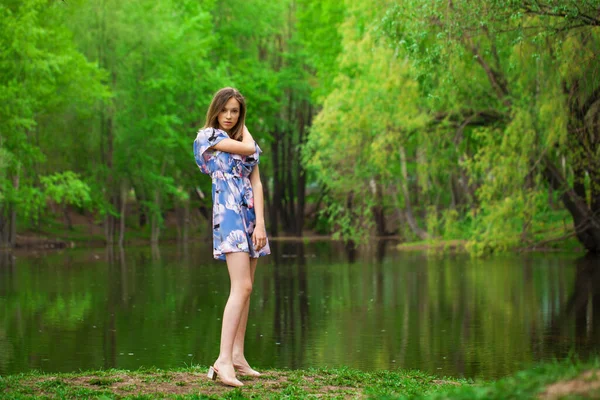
(528,384)
(191,383)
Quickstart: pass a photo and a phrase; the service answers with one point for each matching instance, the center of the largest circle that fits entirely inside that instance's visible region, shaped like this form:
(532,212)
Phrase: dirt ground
(183,383)
(586,385)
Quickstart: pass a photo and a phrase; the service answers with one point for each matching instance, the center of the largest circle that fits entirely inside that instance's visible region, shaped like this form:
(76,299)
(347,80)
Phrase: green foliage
(318,28)
(41,74)
(433,221)
(451,224)
(413,107)
(66,188)
(362,124)
(479,106)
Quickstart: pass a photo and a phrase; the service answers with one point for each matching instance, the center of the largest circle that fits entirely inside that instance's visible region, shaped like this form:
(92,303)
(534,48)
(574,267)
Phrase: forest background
(470,121)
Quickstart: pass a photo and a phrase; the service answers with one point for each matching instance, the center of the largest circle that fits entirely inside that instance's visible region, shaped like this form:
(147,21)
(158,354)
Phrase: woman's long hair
(216,106)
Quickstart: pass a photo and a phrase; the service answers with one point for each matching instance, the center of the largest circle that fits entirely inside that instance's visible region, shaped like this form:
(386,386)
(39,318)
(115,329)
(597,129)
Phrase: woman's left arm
(259,237)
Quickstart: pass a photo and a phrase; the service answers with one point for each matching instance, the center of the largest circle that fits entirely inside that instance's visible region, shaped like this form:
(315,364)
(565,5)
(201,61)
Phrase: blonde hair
(216,106)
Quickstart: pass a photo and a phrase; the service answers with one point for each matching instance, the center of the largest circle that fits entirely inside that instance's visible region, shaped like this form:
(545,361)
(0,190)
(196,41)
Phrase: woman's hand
(259,237)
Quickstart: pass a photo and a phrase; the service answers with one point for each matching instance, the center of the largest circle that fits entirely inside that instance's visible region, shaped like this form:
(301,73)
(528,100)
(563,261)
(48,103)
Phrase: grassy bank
(549,381)
(548,231)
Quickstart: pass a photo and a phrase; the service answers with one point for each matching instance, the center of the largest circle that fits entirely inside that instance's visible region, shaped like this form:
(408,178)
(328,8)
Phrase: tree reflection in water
(315,304)
(581,311)
(291,296)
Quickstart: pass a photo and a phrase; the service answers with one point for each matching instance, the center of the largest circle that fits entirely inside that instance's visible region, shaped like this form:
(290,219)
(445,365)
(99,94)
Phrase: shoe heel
(212,373)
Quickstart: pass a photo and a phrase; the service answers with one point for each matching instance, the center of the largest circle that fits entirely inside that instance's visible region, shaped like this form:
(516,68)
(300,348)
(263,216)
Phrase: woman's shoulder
(210,132)
(205,131)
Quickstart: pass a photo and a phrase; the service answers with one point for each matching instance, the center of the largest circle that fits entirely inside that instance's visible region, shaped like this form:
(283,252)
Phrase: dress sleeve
(206,138)
(250,161)
(253,159)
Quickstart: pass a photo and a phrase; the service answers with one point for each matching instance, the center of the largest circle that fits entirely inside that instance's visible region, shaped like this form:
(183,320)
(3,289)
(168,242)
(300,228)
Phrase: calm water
(313,305)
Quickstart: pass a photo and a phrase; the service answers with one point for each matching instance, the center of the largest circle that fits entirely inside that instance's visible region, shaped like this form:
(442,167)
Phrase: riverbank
(545,381)
(461,246)
(86,232)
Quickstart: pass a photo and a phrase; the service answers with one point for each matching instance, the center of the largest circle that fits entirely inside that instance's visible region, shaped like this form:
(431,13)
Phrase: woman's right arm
(244,148)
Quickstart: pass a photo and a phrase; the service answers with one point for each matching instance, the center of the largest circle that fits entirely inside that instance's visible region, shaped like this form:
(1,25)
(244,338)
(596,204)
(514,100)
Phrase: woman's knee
(243,288)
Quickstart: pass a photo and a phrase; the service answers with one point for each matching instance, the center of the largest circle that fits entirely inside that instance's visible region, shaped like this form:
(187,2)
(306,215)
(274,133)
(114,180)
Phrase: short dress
(234,218)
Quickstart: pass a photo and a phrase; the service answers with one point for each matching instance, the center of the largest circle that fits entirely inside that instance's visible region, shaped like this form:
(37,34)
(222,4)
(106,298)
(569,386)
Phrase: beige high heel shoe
(251,372)
(213,373)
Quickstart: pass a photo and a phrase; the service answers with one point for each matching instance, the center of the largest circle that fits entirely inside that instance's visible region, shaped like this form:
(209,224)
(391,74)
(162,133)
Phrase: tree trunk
(301,201)
(110,221)
(155,220)
(142,210)
(290,196)
(68,222)
(3,226)
(377,209)
(410,218)
(276,199)
(584,141)
(300,170)
(12,238)
(290,226)
(587,224)
(350,245)
(186,220)
(122,213)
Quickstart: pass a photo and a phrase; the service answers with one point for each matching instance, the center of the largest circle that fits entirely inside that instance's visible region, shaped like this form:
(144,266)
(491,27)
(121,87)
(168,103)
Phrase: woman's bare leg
(239,360)
(241,278)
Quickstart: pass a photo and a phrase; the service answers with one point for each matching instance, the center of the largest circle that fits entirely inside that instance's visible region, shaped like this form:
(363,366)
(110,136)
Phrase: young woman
(225,150)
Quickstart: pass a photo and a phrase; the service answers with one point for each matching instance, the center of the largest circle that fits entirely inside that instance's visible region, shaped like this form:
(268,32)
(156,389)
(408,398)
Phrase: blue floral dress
(234,218)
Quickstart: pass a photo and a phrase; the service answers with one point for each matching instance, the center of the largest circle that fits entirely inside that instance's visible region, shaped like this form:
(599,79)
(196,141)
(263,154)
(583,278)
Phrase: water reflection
(581,311)
(315,304)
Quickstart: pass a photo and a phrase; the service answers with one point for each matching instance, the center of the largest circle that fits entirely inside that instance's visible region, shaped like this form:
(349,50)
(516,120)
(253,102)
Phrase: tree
(267,61)
(505,91)
(538,59)
(359,140)
(41,74)
(157,58)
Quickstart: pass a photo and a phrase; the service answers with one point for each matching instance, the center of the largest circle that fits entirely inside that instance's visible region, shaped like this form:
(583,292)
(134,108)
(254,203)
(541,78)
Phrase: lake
(313,305)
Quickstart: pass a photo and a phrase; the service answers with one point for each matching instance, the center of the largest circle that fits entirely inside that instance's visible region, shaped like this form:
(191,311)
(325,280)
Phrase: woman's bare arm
(259,237)
(244,148)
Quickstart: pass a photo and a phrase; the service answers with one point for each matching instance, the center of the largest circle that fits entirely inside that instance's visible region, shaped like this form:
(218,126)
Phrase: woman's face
(229,115)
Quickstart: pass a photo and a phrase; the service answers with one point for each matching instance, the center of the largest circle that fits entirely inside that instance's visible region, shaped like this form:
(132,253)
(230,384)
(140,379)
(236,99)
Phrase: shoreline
(543,381)
(33,242)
